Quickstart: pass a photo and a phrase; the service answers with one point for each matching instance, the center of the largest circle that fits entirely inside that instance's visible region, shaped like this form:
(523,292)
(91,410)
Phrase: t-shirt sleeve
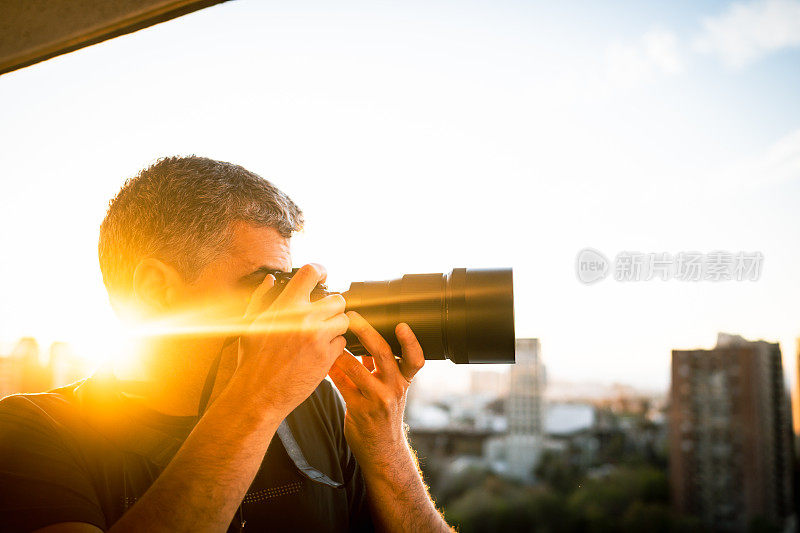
(41,481)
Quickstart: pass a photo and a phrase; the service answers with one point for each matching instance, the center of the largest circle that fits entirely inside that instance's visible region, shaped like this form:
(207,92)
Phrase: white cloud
(742,34)
(748,31)
(656,53)
(661,48)
(778,163)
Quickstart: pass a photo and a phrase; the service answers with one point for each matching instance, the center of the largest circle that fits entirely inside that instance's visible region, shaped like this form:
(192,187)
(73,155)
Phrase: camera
(466,316)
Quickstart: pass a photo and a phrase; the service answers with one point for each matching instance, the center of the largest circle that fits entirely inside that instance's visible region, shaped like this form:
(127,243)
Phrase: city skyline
(475,379)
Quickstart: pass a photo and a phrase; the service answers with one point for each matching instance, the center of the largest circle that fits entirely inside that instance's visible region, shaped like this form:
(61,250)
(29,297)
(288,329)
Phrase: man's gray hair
(180,210)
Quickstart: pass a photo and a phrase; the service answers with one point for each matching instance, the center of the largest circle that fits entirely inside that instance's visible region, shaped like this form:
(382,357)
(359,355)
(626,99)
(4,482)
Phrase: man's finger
(329,306)
(336,348)
(345,385)
(254,306)
(375,344)
(303,282)
(338,324)
(413,358)
(358,374)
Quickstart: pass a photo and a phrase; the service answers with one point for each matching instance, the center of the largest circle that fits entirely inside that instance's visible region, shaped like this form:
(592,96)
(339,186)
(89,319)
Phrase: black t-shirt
(85,453)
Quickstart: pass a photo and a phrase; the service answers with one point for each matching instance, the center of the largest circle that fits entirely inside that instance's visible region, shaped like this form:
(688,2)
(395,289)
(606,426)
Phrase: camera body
(283,278)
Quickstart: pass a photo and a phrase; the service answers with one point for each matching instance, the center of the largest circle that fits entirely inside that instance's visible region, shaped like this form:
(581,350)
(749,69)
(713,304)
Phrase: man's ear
(156,284)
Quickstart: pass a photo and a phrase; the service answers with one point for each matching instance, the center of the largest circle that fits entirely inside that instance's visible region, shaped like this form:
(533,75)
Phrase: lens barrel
(466,316)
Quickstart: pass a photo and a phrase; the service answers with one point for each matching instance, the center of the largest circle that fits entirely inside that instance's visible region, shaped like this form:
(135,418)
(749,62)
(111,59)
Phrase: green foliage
(657,518)
(611,502)
(451,488)
(558,471)
(759,524)
(629,499)
(500,506)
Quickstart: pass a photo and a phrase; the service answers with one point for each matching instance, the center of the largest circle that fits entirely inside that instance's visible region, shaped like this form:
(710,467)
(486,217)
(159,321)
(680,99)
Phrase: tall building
(488,382)
(32,375)
(796,394)
(9,376)
(525,410)
(730,434)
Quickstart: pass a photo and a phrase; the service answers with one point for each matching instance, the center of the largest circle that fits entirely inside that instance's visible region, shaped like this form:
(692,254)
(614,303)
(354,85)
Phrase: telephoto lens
(466,316)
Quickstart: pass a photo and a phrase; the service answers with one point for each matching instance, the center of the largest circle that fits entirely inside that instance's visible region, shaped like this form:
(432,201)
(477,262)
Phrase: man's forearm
(375,393)
(207,479)
(398,497)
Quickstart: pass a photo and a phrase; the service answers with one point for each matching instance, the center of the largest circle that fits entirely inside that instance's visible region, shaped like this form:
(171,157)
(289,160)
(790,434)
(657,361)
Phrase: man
(186,250)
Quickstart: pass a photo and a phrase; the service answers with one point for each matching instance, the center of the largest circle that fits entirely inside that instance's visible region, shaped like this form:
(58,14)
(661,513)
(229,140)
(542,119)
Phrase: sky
(422,136)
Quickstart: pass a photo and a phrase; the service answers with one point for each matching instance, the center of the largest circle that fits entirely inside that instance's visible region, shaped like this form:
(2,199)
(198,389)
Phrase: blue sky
(424,136)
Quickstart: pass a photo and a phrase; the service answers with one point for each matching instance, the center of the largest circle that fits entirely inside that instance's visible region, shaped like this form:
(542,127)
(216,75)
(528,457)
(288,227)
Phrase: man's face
(219,297)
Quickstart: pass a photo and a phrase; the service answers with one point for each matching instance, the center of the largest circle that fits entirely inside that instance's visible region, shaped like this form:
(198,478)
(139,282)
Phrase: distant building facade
(796,395)
(23,370)
(525,410)
(730,434)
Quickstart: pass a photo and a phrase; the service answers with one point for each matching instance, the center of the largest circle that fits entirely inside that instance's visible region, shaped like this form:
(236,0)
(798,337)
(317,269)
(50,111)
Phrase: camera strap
(296,454)
(211,377)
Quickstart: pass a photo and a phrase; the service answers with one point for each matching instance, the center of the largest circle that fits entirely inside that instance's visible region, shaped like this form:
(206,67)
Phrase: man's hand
(289,347)
(375,394)
(283,356)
